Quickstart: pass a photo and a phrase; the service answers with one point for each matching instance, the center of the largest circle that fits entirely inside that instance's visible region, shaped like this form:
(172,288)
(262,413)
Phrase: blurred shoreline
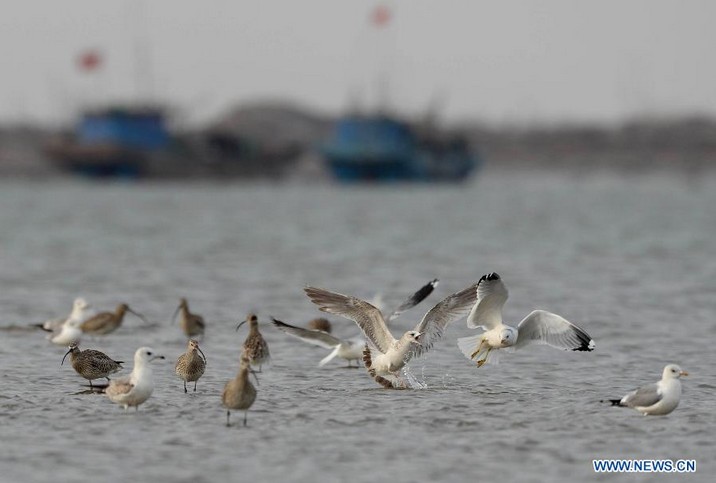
(284,135)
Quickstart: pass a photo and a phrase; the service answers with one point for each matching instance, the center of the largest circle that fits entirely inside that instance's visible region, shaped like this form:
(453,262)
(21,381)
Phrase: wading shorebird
(91,364)
(348,349)
(656,399)
(106,322)
(394,354)
(255,346)
(190,365)
(239,393)
(539,326)
(136,388)
(81,311)
(192,325)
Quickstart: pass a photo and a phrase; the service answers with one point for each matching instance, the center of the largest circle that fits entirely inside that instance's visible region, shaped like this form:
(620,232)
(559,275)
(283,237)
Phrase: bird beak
(202,353)
(63,359)
(683,373)
(418,337)
(156,357)
(240,324)
(142,318)
(255,376)
(175,314)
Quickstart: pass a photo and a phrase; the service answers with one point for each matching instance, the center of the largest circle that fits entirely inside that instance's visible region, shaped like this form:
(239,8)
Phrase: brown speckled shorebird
(91,364)
(192,325)
(255,346)
(239,393)
(320,324)
(190,365)
(106,322)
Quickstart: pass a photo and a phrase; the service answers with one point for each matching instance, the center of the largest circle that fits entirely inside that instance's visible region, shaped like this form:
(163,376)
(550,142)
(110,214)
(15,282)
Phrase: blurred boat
(112,142)
(381,148)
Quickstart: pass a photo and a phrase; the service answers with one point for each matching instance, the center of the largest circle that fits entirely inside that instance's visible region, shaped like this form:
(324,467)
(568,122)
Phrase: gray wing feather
(643,397)
(544,327)
(368,317)
(450,309)
(315,337)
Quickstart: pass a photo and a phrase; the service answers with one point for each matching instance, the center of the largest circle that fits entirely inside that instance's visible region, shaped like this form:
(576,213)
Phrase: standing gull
(138,386)
(106,322)
(190,365)
(349,349)
(239,393)
(656,399)
(255,345)
(539,326)
(393,353)
(192,325)
(91,364)
(81,310)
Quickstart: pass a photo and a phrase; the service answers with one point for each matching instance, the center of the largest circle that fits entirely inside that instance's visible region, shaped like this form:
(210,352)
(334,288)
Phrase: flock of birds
(383,355)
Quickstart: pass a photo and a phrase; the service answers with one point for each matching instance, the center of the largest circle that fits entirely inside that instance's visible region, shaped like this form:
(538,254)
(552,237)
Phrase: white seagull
(81,310)
(350,349)
(138,386)
(70,332)
(394,353)
(656,399)
(539,326)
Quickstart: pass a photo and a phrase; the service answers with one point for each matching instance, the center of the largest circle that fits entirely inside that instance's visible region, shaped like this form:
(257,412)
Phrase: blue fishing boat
(112,142)
(385,149)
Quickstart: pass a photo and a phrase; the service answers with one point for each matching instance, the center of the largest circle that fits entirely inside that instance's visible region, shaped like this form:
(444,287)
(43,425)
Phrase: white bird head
(145,355)
(508,336)
(672,371)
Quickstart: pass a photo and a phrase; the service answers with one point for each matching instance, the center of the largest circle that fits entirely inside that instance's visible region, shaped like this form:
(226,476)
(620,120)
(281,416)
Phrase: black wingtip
(490,277)
(586,343)
(613,402)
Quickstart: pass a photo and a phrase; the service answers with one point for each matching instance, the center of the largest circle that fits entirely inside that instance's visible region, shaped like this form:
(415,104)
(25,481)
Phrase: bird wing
(643,397)
(368,317)
(414,299)
(94,323)
(491,296)
(451,308)
(545,327)
(315,337)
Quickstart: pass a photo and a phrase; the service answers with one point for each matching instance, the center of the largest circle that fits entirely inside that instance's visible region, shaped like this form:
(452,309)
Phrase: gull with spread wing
(394,353)
(350,349)
(539,326)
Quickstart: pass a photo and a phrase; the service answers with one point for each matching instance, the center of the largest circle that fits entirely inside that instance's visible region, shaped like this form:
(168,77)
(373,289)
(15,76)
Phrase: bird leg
(194,386)
(479,348)
(246,412)
(228,424)
(482,361)
(185,391)
(91,386)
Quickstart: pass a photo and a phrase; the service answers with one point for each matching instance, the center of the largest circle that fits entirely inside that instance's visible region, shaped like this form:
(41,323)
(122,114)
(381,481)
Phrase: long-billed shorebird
(239,393)
(348,349)
(255,346)
(81,311)
(91,364)
(656,399)
(539,326)
(192,325)
(393,353)
(136,388)
(190,365)
(106,322)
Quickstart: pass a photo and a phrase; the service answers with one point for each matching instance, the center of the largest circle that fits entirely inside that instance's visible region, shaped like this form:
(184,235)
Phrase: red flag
(380,16)
(89,60)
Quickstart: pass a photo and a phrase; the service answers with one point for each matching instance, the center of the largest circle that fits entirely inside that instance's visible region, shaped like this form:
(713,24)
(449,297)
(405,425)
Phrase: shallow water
(632,260)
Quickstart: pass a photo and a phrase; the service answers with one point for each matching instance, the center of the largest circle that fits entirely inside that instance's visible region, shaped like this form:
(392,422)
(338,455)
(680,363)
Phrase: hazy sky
(498,61)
